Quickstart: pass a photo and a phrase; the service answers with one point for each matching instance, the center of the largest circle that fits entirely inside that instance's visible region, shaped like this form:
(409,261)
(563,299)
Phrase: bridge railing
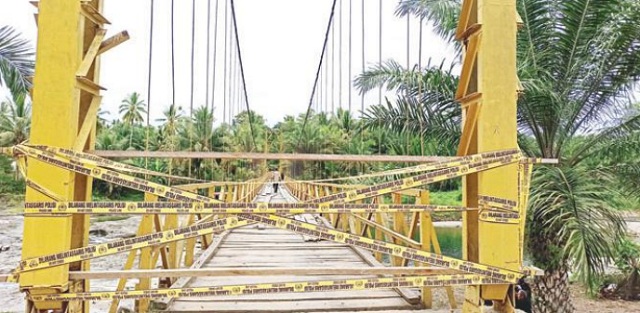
(180,254)
(415,230)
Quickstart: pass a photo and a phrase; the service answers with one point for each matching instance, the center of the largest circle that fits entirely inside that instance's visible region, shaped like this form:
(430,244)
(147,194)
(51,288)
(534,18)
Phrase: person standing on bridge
(276,179)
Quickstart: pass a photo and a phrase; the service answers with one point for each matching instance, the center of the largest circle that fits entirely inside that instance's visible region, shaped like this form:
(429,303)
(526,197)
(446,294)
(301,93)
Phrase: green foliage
(16,61)
(628,262)
(628,257)
(9,183)
(16,70)
(572,220)
(578,62)
(453,197)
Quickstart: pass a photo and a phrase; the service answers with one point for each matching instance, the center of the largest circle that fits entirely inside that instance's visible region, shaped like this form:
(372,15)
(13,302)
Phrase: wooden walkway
(260,246)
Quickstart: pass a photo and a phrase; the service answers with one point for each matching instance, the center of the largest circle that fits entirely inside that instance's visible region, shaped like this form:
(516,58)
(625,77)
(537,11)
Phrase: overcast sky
(281,42)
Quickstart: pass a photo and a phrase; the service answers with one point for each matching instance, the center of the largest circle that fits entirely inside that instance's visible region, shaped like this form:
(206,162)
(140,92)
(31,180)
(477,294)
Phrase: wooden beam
(468,66)
(91,54)
(113,41)
(92,14)
(269,156)
(88,85)
(412,243)
(88,124)
(410,295)
(280,156)
(470,121)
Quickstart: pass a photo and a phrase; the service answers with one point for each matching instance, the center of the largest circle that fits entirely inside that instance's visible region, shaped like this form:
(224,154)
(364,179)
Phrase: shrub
(628,262)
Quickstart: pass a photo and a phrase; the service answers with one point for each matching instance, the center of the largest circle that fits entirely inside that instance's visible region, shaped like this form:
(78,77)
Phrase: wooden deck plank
(292,306)
(260,246)
(355,294)
(253,280)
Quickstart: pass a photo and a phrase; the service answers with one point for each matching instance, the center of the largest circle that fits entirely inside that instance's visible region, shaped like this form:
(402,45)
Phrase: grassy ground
(453,197)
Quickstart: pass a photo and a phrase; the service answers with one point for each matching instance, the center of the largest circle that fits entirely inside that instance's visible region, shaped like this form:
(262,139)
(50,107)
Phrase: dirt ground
(11,237)
(13,300)
(584,303)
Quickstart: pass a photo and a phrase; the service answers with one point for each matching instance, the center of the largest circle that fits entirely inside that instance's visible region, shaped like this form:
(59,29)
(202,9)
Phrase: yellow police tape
(124,207)
(524,181)
(500,217)
(283,287)
(449,162)
(497,203)
(106,163)
(422,168)
(123,245)
(481,162)
(473,164)
(90,168)
(492,160)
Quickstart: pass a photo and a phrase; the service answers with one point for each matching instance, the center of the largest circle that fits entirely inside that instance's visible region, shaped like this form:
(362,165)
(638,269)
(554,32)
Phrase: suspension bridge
(243,246)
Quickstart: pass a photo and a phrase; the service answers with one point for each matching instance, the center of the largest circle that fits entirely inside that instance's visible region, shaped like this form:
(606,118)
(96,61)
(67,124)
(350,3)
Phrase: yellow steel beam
(491,73)
(468,65)
(88,125)
(58,56)
(91,54)
(59,108)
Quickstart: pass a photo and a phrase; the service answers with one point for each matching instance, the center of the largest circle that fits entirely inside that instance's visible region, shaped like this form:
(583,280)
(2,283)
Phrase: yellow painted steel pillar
(488,93)
(426,227)
(65,97)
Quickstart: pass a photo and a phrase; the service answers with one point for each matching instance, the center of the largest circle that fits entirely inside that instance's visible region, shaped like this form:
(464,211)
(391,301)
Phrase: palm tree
(171,123)
(15,120)
(202,130)
(132,108)
(16,61)
(578,61)
(101,121)
(16,70)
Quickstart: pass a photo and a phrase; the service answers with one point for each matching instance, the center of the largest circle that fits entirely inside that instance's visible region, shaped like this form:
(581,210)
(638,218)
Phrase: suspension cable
(406,118)
(315,83)
(146,146)
(319,95)
(408,41)
(420,88)
(213,79)
(340,55)
(362,71)
(173,81)
(244,81)
(380,47)
(350,49)
(333,67)
(193,44)
(173,54)
(232,75)
(363,61)
(326,85)
(380,65)
(224,77)
(206,101)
